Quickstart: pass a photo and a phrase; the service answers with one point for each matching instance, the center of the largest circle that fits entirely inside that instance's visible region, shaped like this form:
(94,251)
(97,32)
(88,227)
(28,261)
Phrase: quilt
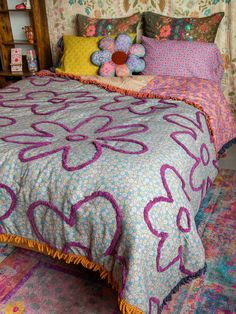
(110,174)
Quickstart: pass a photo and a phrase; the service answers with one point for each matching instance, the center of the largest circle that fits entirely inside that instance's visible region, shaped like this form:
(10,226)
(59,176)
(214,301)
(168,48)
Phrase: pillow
(183,58)
(88,26)
(119,56)
(191,29)
(77,55)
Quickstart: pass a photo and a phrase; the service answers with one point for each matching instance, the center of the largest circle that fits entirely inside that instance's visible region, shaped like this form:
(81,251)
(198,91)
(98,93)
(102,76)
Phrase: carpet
(31,283)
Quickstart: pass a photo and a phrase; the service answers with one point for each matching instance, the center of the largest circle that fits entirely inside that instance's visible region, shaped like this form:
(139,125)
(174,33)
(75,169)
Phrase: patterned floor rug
(31,283)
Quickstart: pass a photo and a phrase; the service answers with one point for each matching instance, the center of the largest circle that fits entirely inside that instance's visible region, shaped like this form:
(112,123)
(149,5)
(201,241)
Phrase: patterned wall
(61,14)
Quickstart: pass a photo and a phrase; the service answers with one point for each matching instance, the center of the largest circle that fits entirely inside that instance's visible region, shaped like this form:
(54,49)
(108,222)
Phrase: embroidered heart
(37,101)
(81,145)
(89,227)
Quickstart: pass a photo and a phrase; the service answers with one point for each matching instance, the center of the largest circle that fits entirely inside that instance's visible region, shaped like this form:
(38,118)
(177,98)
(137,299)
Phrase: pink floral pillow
(183,58)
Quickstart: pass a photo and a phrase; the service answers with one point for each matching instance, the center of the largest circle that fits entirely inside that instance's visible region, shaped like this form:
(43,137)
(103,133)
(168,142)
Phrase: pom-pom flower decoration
(119,56)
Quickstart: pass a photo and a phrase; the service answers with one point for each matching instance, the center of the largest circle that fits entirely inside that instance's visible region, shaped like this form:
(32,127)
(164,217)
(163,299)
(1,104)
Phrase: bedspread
(108,180)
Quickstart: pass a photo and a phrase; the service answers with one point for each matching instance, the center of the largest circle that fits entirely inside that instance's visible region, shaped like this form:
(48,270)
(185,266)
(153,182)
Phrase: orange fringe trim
(33,245)
(133,93)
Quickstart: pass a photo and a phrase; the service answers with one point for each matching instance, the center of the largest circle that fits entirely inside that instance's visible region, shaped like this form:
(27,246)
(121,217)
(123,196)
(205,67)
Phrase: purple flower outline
(99,140)
(162,235)
(33,80)
(113,106)
(57,100)
(203,159)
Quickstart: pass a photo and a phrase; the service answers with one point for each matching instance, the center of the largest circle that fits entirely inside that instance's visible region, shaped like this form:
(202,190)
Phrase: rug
(31,283)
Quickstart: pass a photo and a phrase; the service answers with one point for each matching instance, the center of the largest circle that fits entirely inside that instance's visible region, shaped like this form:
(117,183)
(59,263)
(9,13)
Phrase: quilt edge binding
(182,282)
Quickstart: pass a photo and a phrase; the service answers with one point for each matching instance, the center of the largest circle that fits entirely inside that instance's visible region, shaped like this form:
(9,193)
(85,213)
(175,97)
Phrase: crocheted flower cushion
(119,56)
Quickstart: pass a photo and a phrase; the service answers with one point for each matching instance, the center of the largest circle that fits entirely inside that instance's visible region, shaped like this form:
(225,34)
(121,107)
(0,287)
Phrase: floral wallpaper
(61,18)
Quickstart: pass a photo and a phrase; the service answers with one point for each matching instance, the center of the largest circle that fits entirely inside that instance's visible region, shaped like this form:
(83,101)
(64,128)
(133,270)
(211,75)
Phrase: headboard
(61,20)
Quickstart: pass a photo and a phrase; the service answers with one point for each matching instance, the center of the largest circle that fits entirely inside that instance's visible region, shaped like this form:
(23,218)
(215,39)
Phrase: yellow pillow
(77,55)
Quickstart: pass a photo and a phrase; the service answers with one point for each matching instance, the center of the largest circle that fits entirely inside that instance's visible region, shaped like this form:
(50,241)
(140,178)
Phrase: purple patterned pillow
(183,58)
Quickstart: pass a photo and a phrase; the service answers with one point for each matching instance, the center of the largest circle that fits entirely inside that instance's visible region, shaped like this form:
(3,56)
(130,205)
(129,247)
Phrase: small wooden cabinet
(38,20)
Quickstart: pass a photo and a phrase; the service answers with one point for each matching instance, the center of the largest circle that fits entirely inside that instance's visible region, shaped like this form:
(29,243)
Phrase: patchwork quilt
(110,174)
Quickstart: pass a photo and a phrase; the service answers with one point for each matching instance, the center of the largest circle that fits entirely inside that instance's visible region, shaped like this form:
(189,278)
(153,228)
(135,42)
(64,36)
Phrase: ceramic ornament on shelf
(16,60)
(29,33)
(27,4)
(24,5)
(32,61)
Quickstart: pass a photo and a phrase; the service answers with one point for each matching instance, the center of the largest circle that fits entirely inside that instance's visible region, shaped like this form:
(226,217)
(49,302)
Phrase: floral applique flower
(80,146)
(15,308)
(170,218)
(137,106)
(119,56)
(46,80)
(76,219)
(192,134)
(47,102)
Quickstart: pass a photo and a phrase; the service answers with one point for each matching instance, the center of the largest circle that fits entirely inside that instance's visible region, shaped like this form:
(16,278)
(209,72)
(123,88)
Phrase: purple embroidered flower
(170,219)
(9,90)
(193,132)
(47,80)
(81,145)
(5,121)
(46,102)
(137,106)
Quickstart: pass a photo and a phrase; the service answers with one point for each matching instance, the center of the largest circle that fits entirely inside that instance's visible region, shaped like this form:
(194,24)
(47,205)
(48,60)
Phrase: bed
(110,173)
